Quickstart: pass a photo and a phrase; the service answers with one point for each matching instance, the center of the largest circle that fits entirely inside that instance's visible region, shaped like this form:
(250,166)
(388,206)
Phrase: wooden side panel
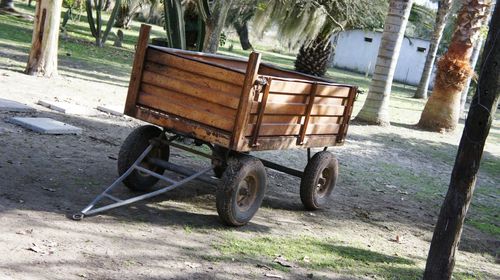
(190,89)
(185,126)
(289,114)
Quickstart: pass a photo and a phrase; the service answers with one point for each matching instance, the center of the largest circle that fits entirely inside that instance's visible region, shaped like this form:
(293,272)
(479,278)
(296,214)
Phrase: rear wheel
(133,146)
(320,176)
(241,190)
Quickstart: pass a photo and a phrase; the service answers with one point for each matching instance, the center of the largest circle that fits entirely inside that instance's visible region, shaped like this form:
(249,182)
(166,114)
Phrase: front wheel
(320,176)
(133,146)
(241,190)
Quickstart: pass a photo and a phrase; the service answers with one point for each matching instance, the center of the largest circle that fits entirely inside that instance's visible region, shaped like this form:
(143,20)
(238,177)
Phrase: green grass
(318,254)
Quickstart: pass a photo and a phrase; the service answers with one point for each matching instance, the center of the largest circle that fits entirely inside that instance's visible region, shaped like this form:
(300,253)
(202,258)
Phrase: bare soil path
(378,224)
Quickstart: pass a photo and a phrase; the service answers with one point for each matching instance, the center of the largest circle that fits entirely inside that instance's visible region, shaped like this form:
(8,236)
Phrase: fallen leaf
(24,232)
(282,261)
(48,189)
(263,266)
(273,276)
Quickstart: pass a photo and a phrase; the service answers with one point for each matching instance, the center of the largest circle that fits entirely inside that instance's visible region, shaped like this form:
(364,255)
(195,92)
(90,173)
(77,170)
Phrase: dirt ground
(45,178)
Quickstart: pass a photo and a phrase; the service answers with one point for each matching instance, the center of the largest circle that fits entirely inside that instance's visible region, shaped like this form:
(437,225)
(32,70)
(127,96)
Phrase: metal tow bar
(90,210)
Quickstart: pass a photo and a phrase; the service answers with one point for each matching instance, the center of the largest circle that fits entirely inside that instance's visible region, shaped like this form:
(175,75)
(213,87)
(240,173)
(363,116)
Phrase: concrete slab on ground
(66,108)
(46,125)
(111,109)
(14,106)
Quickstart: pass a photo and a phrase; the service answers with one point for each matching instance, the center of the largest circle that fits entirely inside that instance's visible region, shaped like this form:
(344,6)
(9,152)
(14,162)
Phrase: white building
(357,50)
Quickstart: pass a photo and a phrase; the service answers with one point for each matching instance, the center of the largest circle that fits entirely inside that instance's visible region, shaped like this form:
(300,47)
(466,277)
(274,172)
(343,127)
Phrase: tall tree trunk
(214,25)
(442,110)
(43,55)
(376,107)
(441,18)
(473,61)
(242,31)
(441,259)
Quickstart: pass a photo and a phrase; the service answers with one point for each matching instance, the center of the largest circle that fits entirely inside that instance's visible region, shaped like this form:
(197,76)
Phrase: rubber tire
(226,196)
(312,173)
(133,146)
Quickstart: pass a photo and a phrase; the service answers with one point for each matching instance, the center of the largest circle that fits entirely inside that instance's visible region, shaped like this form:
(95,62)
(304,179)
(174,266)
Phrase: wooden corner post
(245,100)
(137,69)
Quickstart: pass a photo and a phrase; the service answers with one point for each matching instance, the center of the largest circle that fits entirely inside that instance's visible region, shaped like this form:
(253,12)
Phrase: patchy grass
(315,253)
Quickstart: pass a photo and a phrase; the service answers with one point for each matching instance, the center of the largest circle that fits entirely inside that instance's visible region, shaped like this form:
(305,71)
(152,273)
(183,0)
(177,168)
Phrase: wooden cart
(234,106)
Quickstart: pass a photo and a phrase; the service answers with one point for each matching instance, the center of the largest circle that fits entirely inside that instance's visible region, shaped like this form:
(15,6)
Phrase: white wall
(353,53)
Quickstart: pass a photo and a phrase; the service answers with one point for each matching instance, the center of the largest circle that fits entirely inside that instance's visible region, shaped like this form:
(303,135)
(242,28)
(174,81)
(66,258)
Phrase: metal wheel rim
(323,182)
(247,193)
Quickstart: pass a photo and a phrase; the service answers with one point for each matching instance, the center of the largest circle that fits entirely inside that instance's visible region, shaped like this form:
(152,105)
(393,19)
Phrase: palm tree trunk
(376,107)
(441,259)
(442,110)
(473,61)
(44,44)
(214,25)
(441,18)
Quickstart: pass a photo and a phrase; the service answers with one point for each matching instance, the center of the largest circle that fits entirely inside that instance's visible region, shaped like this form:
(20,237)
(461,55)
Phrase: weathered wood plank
(200,68)
(193,78)
(137,68)
(245,101)
(289,142)
(291,119)
(190,89)
(179,104)
(181,125)
(292,129)
(299,109)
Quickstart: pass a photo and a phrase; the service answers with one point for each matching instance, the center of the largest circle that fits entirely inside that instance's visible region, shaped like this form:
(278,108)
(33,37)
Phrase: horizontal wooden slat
(288,142)
(200,68)
(190,89)
(283,119)
(193,78)
(199,131)
(288,87)
(333,91)
(182,105)
(294,98)
(292,129)
(290,119)
(298,109)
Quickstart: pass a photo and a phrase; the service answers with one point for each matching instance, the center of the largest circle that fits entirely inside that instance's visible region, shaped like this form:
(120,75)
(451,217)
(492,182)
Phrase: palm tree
(313,55)
(444,9)
(376,107)
(442,110)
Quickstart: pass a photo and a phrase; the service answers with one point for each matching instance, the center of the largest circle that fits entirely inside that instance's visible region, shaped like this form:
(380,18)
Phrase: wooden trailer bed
(234,103)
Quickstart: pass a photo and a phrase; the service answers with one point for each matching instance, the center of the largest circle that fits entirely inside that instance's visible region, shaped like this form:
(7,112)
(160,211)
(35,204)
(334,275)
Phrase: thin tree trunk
(214,25)
(441,259)
(441,18)
(473,61)
(442,110)
(242,31)
(376,107)
(44,44)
